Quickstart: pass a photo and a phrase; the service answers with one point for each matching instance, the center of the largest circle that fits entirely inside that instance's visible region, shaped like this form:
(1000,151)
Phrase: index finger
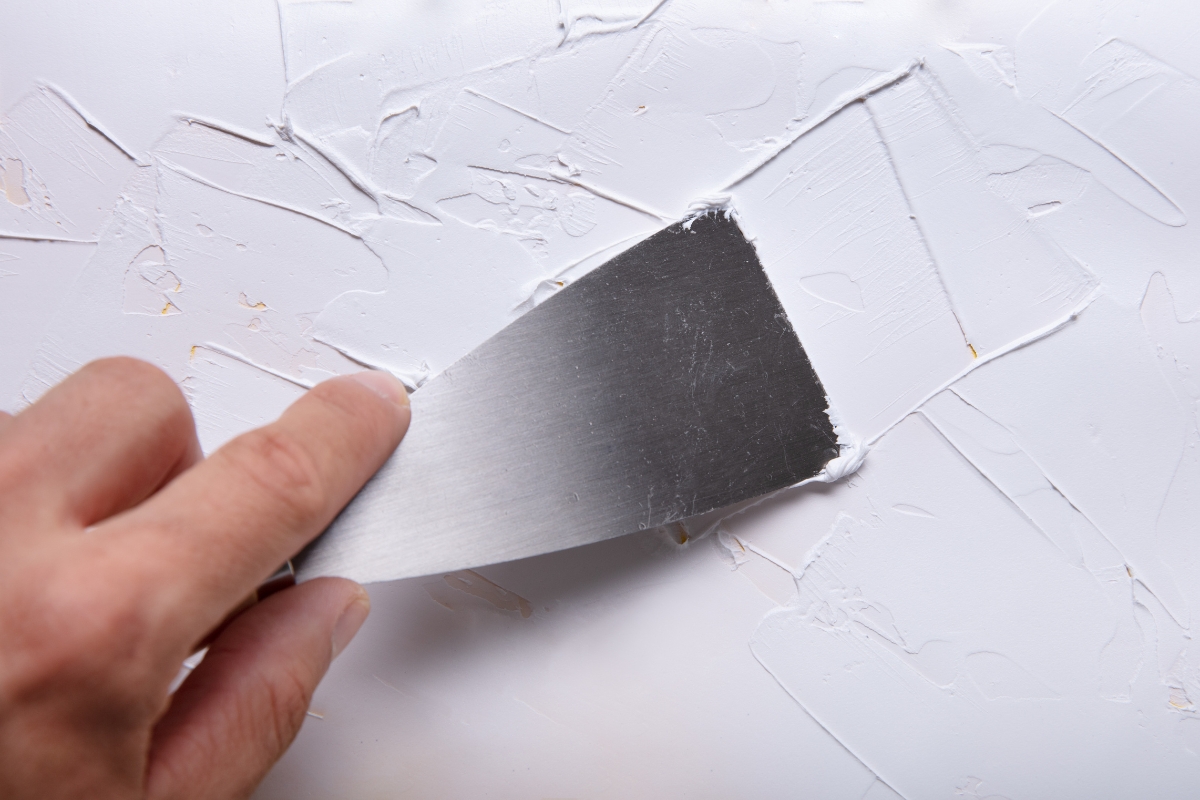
(224,526)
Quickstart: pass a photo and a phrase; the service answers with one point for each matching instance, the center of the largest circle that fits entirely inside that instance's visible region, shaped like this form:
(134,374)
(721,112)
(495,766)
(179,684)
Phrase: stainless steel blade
(664,384)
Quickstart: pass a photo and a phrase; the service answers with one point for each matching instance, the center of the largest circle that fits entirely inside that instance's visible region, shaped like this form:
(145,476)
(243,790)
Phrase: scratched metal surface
(664,384)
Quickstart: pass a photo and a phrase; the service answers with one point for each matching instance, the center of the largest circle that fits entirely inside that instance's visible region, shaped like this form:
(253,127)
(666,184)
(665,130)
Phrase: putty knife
(664,384)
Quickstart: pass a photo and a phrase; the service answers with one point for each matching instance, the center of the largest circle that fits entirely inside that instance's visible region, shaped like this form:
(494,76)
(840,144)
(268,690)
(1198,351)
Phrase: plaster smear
(835,234)
(132,68)
(978,219)
(1117,163)
(1125,446)
(894,641)
(633,654)
(183,264)
(60,176)
(34,277)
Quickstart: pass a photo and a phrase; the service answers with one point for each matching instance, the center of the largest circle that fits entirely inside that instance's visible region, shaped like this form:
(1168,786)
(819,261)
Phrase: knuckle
(83,641)
(148,385)
(130,370)
(284,469)
(358,414)
(338,397)
(288,696)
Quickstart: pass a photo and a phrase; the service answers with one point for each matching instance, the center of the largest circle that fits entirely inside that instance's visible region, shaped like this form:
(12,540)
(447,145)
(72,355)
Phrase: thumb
(236,714)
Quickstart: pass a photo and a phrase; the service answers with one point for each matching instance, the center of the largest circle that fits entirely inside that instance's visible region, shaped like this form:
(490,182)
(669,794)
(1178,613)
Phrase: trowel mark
(992,450)
(834,287)
(92,123)
(1042,186)
(874,82)
(863,649)
(991,62)
(526,208)
(1044,208)
(1087,89)
(1002,278)
(912,511)
(1139,193)
(58,175)
(578,20)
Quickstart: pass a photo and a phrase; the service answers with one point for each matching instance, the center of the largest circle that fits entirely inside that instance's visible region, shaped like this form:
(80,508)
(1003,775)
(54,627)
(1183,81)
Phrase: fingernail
(384,385)
(352,618)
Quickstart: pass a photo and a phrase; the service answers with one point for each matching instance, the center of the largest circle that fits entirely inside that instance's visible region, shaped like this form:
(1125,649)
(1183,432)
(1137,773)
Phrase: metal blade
(664,384)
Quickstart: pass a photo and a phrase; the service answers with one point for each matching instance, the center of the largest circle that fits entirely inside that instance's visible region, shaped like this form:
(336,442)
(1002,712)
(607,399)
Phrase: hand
(121,548)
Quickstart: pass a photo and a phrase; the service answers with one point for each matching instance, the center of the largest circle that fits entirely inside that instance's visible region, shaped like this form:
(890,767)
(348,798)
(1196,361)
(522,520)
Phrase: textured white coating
(978,217)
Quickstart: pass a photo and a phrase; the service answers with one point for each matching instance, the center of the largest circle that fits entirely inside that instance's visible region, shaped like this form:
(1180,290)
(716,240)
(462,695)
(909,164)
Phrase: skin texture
(121,549)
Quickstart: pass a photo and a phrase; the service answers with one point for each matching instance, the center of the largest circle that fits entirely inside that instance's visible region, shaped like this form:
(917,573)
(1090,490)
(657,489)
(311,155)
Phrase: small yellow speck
(971,347)
(244,302)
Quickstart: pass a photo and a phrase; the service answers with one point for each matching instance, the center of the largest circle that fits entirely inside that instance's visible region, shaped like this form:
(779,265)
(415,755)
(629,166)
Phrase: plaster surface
(977,217)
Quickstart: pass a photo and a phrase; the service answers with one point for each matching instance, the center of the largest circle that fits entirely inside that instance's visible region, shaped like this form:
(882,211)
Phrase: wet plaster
(978,220)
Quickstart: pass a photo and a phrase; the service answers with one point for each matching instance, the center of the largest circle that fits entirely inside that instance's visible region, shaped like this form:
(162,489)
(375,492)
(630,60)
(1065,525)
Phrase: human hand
(120,549)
